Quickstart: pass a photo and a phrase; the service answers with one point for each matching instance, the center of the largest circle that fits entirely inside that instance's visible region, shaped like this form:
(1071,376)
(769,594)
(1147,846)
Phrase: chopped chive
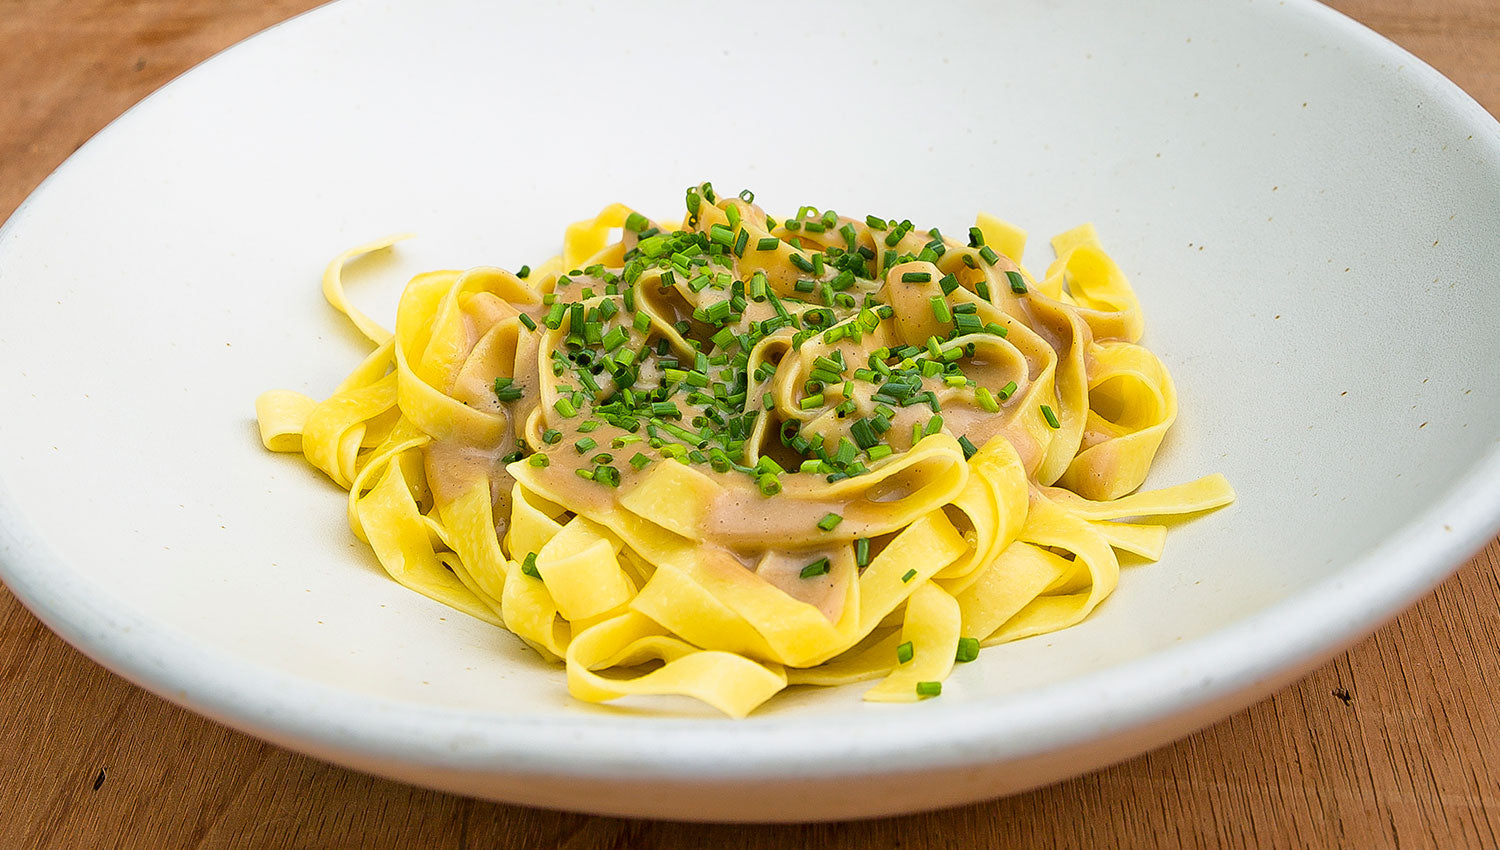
(1017,283)
(929,689)
(551,436)
(910,574)
(850,238)
(915,277)
(968,649)
(989,255)
(524,272)
(802,262)
(583,446)
(505,391)
(861,550)
(739,242)
(1008,390)
(905,652)
(1050,417)
(829,522)
(767,243)
(607,475)
(635,222)
(940,310)
(968,447)
(976,238)
(615,338)
(555,315)
(565,408)
(639,461)
(526,320)
(770,485)
(875,223)
(811,402)
(985,401)
(817,568)
(879,452)
(528,566)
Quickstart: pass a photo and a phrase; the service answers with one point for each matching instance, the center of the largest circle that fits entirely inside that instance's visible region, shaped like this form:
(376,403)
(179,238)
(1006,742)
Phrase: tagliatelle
(717,459)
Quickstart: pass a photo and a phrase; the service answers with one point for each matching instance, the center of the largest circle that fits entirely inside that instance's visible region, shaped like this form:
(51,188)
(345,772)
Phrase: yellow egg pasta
(717,457)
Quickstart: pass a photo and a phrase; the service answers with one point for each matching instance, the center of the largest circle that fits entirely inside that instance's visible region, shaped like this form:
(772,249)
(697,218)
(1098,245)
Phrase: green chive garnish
(1017,283)
(904,652)
(929,689)
(505,391)
(1050,416)
(910,574)
(817,568)
(915,277)
(985,401)
(968,649)
(829,522)
(528,566)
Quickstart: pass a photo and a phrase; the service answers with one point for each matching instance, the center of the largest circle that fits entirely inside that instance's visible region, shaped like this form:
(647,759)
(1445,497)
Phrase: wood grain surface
(1393,744)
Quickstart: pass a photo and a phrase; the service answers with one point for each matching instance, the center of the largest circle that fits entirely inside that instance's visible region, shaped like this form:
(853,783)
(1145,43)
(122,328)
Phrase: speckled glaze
(1307,212)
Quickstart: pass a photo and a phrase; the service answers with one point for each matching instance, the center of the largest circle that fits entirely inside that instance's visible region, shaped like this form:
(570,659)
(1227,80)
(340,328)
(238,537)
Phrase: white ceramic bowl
(1309,215)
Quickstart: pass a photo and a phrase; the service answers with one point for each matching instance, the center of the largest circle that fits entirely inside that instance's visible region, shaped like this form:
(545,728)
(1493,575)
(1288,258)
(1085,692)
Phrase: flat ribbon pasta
(717,458)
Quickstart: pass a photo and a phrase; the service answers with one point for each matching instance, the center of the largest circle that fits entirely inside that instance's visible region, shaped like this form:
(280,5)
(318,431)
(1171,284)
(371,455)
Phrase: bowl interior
(1309,225)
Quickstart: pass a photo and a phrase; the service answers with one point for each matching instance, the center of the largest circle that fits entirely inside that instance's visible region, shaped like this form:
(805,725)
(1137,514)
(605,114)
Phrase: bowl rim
(1293,634)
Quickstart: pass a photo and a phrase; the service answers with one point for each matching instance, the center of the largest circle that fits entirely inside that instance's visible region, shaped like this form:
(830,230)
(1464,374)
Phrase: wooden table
(1394,743)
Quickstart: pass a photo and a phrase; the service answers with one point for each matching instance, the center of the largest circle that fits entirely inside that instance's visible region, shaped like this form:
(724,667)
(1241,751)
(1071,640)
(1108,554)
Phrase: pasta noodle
(720,458)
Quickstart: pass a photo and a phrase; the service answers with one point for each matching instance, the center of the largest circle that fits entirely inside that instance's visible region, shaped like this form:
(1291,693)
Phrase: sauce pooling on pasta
(660,445)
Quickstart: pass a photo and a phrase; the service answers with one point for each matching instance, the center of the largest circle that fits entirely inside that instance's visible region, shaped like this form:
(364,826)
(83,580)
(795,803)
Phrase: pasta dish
(725,456)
